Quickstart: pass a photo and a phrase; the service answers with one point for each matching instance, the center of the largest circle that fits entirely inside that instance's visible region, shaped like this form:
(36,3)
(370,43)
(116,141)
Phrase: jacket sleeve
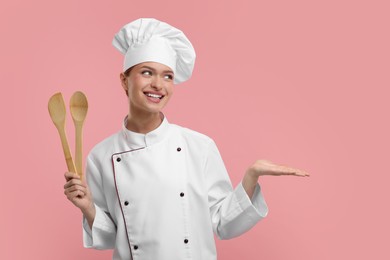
(232,211)
(103,232)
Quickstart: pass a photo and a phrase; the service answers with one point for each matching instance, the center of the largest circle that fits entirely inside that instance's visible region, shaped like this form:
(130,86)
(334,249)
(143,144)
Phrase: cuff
(103,231)
(256,207)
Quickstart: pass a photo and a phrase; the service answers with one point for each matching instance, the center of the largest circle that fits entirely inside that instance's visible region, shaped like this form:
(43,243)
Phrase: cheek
(138,81)
(170,89)
(134,93)
(137,77)
(136,84)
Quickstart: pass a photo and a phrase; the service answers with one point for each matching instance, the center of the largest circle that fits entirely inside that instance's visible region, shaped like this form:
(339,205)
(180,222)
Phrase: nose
(157,82)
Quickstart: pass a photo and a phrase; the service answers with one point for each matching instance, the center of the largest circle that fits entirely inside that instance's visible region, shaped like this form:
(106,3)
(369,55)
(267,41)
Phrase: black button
(126,203)
(178,149)
(182,194)
(185,241)
(118,159)
(135,247)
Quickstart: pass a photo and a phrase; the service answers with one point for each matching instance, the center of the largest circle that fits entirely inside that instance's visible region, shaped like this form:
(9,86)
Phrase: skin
(148,77)
(145,116)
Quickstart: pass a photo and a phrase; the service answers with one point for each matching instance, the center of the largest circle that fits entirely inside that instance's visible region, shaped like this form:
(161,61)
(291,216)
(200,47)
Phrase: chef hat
(148,39)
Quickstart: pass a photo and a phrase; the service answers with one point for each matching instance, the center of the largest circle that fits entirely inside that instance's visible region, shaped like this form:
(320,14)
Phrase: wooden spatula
(57,113)
(78,110)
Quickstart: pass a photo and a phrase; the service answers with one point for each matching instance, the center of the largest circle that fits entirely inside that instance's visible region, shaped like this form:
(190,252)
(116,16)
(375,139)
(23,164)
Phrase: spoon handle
(67,153)
(79,149)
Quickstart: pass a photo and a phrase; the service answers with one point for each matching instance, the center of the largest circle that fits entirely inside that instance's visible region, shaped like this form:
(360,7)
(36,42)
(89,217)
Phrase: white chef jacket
(161,195)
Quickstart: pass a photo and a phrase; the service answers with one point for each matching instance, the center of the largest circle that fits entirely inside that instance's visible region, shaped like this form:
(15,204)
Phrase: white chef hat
(148,39)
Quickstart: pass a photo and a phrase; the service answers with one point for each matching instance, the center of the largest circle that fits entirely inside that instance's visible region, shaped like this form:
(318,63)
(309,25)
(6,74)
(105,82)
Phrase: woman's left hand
(263,167)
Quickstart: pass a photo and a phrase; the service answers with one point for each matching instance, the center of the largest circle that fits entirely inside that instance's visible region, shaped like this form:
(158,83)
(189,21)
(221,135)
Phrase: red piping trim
(117,193)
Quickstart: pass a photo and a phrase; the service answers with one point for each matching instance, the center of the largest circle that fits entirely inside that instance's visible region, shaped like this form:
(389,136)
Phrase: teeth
(153,95)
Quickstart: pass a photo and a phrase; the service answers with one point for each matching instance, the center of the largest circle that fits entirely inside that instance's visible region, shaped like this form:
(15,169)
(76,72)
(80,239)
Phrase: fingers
(75,191)
(297,172)
(71,175)
(72,182)
(74,195)
(264,167)
(283,170)
(74,187)
(302,174)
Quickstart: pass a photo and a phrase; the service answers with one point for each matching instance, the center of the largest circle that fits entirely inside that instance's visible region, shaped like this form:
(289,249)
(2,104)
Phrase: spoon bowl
(57,109)
(78,107)
(78,110)
(57,113)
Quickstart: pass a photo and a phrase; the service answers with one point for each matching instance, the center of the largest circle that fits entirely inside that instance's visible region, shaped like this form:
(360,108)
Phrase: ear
(124,83)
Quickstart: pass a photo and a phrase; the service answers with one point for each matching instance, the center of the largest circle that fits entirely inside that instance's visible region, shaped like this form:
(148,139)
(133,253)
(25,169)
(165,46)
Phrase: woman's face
(149,87)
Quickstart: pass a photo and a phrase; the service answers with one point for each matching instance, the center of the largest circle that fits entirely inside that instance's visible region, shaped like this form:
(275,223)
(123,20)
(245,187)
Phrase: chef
(156,190)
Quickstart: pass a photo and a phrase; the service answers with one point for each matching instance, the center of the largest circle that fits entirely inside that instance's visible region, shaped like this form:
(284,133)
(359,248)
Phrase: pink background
(302,83)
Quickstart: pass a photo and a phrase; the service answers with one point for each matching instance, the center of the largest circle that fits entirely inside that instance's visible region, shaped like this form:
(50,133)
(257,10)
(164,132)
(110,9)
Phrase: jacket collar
(137,140)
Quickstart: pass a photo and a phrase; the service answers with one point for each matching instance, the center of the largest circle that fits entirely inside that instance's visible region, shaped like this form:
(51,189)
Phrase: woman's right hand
(78,193)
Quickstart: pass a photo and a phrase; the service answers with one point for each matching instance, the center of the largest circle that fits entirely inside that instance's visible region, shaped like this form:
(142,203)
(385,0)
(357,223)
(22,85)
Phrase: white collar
(137,140)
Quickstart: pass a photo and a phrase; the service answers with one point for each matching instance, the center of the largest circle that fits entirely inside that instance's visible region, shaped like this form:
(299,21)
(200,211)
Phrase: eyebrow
(165,71)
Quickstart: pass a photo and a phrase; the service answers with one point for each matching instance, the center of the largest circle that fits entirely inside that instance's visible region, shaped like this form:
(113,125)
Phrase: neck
(143,122)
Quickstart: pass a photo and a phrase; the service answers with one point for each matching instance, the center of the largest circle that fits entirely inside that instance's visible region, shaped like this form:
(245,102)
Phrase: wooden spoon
(57,113)
(78,110)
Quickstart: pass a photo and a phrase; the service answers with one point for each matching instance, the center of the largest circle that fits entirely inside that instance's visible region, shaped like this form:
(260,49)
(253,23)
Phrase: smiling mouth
(153,95)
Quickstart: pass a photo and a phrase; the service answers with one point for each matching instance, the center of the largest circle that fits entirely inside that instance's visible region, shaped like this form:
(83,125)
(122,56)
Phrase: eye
(168,76)
(146,73)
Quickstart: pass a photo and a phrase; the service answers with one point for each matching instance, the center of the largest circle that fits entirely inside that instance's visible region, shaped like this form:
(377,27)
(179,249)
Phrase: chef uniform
(162,195)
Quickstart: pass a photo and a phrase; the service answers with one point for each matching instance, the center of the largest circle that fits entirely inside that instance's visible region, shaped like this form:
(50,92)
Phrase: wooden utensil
(78,110)
(57,113)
